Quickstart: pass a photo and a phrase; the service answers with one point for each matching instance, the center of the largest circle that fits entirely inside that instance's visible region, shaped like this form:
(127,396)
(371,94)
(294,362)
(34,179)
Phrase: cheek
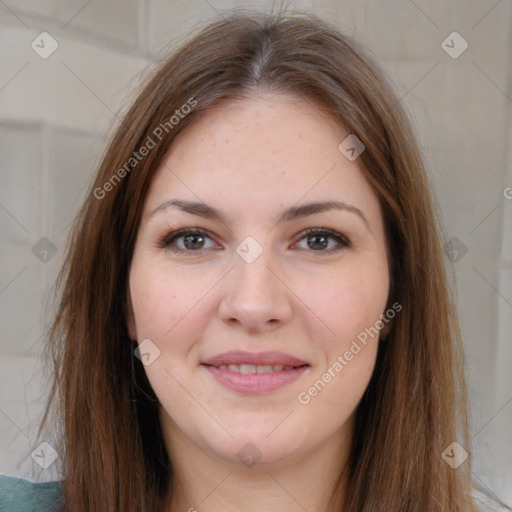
(155,304)
(348,302)
(171,307)
(160,300)
(351,305)
(167,310)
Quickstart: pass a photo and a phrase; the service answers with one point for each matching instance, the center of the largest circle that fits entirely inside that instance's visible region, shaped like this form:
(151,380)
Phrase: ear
(130,318)
(384,332)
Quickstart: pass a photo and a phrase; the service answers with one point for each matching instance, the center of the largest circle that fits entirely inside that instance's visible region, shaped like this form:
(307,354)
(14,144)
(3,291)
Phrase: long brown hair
(415,405)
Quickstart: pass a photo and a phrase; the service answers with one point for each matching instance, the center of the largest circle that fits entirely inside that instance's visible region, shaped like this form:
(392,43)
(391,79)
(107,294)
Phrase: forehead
(273,148)
(267,125)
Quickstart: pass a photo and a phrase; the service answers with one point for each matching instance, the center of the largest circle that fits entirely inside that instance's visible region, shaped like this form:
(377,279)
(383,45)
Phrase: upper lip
(260,358)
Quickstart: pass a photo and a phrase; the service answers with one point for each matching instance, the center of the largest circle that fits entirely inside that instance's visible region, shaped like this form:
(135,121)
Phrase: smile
(252,368)
(254,373)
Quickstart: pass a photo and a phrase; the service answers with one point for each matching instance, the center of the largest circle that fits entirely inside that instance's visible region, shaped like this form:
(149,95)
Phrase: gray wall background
(55,113)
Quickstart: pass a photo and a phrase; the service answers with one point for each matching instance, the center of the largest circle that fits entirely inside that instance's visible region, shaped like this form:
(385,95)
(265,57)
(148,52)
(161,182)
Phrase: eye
(194,240)
(187,240)
(323,240)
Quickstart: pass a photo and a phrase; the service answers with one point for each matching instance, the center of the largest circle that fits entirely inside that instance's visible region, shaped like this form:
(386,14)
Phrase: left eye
(323,240)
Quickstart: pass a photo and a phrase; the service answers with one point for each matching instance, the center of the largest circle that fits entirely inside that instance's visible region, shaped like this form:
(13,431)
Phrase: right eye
(187,240)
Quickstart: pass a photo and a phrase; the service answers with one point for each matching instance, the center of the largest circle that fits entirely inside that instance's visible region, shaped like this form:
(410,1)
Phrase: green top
(19,495)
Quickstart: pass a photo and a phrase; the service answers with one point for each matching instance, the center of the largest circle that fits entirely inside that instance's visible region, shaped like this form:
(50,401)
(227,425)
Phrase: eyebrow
(292,213)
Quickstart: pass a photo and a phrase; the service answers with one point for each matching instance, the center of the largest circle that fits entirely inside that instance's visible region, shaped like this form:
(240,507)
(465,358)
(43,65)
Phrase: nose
(255,297)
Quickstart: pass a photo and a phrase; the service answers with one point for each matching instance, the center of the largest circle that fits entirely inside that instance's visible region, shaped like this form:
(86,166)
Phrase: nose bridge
(252,295)
(251,276)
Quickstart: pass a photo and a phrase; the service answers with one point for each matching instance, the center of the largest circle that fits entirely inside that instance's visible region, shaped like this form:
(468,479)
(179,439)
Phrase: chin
(260,446)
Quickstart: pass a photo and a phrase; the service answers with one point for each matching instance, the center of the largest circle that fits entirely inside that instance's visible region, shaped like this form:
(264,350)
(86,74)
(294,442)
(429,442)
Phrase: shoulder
(19,495)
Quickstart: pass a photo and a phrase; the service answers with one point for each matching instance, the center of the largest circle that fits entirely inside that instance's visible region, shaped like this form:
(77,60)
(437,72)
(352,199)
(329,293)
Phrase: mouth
(255,373)
(266,361)
(247,369)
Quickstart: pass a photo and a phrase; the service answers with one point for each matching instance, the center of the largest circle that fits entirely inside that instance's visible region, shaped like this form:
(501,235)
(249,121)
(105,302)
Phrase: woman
(254,309)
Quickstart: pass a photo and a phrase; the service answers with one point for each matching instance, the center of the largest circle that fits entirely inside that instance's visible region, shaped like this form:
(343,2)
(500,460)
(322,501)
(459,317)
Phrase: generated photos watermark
(143,151)
(342,360)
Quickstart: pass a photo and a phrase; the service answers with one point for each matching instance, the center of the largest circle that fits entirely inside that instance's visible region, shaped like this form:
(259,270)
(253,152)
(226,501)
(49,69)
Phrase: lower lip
(255,383)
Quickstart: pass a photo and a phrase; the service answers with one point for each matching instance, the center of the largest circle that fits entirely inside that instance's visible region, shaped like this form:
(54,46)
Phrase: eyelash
(167,240)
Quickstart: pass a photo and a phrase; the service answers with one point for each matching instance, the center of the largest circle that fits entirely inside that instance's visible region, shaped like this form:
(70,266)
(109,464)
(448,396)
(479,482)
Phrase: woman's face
(257,327)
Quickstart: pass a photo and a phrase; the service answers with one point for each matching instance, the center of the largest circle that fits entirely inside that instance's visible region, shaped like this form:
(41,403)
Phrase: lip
(256,358)
(255,383)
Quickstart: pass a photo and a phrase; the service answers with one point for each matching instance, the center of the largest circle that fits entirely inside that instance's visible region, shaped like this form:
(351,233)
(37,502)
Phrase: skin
(252,160)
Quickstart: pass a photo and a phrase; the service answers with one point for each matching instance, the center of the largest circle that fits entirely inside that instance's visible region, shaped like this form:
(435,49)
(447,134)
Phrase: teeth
(263,368)
(247,368)
(252,368)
